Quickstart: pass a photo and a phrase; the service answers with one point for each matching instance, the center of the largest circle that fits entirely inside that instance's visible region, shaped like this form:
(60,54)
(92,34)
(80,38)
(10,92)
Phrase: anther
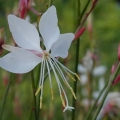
(63,102)
(73,93)
(71,76)
(38,90)
(66,83)
(77,76)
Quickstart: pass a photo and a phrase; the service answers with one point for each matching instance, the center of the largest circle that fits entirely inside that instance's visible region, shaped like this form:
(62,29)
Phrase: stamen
(66,83)
(71,76)
(61,73)
(40,102)
(66,100)
(53,64)
(42,81)
(67,70)
(57,79)
(41,72)
(71,90)
(77,76)
(63,102)
(38,90)
(73,93)
(52,92)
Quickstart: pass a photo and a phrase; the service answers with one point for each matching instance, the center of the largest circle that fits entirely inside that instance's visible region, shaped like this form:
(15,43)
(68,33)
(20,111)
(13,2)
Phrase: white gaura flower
(28,54)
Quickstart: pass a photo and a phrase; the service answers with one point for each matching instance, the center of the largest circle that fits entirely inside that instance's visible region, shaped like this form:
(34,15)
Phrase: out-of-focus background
(100,40)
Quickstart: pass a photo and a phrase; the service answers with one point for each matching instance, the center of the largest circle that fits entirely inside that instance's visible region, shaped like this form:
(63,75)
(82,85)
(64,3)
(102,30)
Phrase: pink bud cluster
(117,79)
(23,8)
(2,39)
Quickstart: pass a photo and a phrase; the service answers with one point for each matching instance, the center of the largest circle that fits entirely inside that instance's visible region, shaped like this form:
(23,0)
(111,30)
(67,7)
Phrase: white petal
(82,69)
(10,48)
(19,61)
(24,33)
(84,79)
(48,27)
(99,71)
(61,46)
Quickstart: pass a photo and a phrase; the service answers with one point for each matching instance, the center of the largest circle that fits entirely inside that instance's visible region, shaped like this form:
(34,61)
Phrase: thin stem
(112,77)
(5,96)
(96,101)
(76,61)
(35,12)
(50,3)
(86,16)
(85,8)
(34,97)
(75,83)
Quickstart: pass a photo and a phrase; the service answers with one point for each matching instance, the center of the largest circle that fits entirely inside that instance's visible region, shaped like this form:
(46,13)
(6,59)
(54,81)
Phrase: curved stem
(86,16)
(112,77)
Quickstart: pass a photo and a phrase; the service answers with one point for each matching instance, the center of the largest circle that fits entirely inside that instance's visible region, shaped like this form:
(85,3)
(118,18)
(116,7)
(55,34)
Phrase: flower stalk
(5,96)
(95,103)
(76,62)
(86,16)
(112,77)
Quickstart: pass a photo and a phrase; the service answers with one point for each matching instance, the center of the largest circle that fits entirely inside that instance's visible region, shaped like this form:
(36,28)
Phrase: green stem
(50,3)
(5,96)
(112,77)
(34,97)
(76,62)
(96,101)
(85,8)
(86,16)
(75,83)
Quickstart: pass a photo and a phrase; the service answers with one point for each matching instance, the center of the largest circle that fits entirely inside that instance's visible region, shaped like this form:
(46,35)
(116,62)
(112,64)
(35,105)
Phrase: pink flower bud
(119,52)
(23,8)
(79,33)
(116,80)
(114,67)
(2,39)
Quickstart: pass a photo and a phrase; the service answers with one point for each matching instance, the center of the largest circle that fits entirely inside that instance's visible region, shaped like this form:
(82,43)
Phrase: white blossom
(28,54)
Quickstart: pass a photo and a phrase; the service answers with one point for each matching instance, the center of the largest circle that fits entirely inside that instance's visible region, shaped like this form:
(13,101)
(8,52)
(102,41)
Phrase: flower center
(46,55)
